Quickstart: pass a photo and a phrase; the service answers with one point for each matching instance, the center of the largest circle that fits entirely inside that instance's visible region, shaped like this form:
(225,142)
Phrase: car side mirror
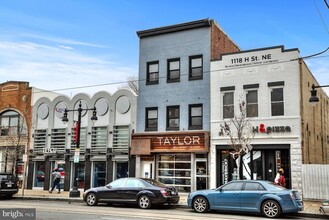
(108,186)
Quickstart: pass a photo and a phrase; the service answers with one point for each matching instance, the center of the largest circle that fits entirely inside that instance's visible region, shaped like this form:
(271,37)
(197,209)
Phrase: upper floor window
(152,72)
(12,123)
(252,103)
(195,116)
(195,67)
(277,104)
(151,119)
(173,118)
(173,70)
(228,105)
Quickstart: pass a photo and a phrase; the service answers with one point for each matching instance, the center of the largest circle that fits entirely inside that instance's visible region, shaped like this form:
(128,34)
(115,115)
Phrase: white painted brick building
(268,80)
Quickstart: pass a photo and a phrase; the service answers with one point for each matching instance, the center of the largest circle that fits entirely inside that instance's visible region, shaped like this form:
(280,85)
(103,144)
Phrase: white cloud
(65,47)
(57,67)
(60,40)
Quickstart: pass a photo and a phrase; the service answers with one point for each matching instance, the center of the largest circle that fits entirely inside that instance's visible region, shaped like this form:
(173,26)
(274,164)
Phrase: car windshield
(155,182)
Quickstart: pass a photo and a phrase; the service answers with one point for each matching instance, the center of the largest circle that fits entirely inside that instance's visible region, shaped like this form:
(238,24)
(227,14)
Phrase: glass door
(60,164)
(201,174)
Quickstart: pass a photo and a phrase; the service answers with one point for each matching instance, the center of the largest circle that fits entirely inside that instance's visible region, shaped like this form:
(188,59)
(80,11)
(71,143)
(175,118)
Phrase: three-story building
(171,142)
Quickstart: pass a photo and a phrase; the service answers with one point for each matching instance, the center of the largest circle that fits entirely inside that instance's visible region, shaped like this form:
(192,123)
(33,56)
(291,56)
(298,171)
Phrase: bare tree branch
(132,83)
(239,130)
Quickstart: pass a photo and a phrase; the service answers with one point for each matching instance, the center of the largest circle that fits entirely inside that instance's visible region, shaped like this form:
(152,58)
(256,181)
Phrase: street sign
(76,158)
(76,155)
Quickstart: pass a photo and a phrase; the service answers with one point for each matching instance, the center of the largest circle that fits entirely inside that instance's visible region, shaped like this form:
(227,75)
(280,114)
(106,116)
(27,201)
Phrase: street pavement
(311,207)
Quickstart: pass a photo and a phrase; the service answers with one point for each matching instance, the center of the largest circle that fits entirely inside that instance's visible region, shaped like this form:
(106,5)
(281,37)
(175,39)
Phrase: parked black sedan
(8,185)
(141,191)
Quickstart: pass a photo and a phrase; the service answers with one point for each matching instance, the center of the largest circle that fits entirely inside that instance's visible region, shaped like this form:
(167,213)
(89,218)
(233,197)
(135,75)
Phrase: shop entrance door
(275,159)
(121,169)
(147,169)
(60,164)
(201,177)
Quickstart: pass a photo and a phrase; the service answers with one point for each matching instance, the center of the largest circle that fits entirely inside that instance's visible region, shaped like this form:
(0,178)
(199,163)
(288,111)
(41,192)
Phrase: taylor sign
(182,140)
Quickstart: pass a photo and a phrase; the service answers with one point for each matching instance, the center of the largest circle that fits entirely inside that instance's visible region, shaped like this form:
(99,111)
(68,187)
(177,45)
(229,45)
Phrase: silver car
(324,208)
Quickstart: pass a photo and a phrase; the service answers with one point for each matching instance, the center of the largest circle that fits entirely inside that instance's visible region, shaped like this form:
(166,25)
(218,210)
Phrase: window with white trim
(195,67)
(173,74)
(195,116)
(173,117)
(252,103)
(152,72)
(277,102)
(228,105)
(151,119)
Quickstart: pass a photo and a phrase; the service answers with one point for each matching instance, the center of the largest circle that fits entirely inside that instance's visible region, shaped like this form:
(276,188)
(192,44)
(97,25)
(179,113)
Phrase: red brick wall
(17,96)
(221,43)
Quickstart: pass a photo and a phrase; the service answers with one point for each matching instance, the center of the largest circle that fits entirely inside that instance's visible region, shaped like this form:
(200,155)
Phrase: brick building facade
(171,143)
(15,124)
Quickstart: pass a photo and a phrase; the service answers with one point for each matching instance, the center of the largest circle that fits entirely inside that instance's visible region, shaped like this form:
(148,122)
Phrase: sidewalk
(311,208)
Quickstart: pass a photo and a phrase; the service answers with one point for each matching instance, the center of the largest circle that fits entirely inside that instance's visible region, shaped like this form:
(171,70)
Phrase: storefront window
(246,166)
(122,170)
(99,173)
(201,175)
(61,168)
(39,174)
(175,170)
(81,174)
(257,165)
(229,167)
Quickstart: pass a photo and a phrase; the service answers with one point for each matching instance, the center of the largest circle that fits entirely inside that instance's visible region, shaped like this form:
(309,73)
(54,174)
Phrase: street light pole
(314,99)
(74,192)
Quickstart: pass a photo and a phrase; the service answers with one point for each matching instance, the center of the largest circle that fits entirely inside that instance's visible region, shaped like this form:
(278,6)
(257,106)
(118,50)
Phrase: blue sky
(60,44)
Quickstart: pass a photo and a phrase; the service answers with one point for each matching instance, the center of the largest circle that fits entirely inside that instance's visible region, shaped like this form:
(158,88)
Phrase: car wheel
(91,199)
(200,204)
(144,202)
(271,209)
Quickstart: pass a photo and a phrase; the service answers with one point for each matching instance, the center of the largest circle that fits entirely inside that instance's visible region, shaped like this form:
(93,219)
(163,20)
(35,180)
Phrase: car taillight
(164,192)
(292,196)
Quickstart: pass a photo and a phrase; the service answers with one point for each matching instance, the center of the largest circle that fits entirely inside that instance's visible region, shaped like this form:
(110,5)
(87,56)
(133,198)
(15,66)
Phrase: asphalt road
(54,210)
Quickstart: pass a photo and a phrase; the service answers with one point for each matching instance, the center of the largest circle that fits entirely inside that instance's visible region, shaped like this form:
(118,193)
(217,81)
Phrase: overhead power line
(313,56)
(323,22)
(325,1)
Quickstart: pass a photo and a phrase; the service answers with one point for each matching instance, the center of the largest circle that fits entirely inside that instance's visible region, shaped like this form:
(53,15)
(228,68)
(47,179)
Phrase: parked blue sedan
(252,196)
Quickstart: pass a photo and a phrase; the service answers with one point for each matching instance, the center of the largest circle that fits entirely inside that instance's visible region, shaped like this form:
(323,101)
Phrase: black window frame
(251,104)
(191,75)
(229,106)
(276,103)
(147,119)
(16,124)
(148,73)
(169,109)
(169,71)
(191,126)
